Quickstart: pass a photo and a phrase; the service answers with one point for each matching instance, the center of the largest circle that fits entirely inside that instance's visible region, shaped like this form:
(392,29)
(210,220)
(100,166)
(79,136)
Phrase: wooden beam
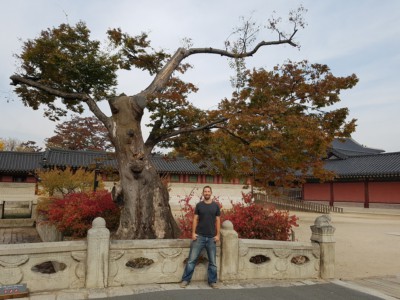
(332,195)
(366,193)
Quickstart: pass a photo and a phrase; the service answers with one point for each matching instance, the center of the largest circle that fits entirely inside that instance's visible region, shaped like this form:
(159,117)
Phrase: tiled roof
(178,165)
(343,148)
(14,162)
(370,165)
(373,165)
(25,162)
(77,158)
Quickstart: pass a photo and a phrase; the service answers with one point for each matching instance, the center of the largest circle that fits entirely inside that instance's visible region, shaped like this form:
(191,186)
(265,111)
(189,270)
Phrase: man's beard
(207,197)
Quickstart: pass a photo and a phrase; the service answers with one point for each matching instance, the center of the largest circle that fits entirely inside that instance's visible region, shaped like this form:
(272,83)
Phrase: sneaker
(184,284)
(214,285)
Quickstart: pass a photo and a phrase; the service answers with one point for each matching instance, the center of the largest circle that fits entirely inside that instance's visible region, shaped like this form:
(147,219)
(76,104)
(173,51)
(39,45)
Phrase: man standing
(205,234)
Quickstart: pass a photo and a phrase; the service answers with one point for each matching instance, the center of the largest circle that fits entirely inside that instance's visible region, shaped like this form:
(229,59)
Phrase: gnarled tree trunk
(146,213)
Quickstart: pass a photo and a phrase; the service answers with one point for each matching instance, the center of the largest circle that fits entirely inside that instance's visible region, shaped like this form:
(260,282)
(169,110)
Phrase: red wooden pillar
(331,195)
(366,193)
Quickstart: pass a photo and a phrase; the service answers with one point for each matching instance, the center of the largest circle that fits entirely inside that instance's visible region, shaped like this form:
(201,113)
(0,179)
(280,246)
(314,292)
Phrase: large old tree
(63,69)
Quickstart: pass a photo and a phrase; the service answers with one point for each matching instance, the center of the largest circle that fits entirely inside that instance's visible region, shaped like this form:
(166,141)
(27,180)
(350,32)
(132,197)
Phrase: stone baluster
(98,246)
(229,251)
(322,233)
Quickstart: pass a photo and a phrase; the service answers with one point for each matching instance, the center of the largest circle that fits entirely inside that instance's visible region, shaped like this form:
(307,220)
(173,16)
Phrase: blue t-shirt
(207,215)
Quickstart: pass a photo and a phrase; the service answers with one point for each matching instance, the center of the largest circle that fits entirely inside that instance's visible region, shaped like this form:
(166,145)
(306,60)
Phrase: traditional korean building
(363,175)
(18,174)
(21,166)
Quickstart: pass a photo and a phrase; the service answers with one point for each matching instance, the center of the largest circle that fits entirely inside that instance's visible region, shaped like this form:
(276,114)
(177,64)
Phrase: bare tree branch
(94,108)
(33,83)
(162,77)
(67,96)
(165,73)
(233,135)
(240,55)
(244,141)
(152,142)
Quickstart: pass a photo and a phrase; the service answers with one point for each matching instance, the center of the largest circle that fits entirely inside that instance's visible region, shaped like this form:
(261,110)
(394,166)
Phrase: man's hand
(194,236)
(216,238)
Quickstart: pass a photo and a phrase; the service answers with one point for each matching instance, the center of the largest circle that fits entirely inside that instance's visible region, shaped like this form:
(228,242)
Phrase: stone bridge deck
(19,235)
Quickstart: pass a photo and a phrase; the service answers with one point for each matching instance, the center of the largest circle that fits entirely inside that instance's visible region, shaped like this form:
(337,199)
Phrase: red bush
(73,214)
(250,220)
(253,221)
(185,220)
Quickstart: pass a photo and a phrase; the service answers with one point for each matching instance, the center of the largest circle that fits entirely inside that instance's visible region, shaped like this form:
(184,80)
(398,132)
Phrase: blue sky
(354,36)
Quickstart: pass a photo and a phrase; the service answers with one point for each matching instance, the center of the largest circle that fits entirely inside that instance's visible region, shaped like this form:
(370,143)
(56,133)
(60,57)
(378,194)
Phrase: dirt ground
(367,244)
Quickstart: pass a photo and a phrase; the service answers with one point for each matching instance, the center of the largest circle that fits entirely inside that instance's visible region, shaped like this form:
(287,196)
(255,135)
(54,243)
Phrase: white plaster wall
(177,191)
(15,191)
(225,192)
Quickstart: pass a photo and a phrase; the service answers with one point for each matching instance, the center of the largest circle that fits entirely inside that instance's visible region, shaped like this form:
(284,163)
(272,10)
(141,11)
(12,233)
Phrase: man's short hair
(207,187)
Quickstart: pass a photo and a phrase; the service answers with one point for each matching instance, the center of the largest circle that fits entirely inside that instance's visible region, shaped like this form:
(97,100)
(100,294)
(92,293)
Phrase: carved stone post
(322,233)
(98,246)
(229,252)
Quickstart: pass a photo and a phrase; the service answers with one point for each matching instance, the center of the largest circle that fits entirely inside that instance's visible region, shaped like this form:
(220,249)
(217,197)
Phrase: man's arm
(217,228)
(194,226)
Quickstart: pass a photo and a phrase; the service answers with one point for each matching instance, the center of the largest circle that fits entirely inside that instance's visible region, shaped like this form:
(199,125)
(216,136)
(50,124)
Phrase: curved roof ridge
(365,147)
(349,144)
(81,151)
(375,154)
(23,152)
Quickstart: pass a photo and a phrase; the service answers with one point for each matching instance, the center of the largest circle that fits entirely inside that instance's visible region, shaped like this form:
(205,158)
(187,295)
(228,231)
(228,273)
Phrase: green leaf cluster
(67,60)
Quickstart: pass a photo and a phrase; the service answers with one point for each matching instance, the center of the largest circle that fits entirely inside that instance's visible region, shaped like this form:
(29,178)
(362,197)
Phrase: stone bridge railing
(100,262)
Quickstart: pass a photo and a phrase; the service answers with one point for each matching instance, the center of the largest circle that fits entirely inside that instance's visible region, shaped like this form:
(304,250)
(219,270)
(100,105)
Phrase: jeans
(195,250)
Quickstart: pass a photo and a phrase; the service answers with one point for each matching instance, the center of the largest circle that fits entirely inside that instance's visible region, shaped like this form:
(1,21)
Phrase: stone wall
(100,262)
